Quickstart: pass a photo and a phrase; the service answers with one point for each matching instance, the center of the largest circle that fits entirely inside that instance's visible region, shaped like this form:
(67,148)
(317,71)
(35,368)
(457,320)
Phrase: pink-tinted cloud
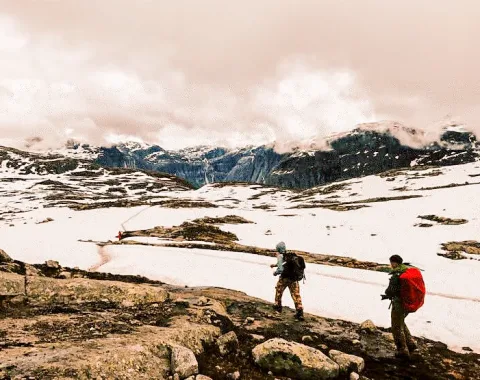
(183,72)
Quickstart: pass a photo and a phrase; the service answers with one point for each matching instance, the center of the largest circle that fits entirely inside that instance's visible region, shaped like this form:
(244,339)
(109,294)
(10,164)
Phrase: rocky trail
(76,324)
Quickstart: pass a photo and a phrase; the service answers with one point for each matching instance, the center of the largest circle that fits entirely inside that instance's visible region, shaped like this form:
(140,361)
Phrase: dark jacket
(393,290)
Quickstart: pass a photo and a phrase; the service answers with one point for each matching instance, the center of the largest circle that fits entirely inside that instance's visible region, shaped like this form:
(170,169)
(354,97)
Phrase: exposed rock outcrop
(294,360)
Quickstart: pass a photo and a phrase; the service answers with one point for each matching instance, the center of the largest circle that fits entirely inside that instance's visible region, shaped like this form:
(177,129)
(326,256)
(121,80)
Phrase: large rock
(347,363)
(183,362)
(294,360)
(368,326)
(52,264)
(4,258)
(79,290)
(227,343)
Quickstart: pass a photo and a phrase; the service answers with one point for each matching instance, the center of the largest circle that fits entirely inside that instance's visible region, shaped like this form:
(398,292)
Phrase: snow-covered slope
(367,218)
(29,181)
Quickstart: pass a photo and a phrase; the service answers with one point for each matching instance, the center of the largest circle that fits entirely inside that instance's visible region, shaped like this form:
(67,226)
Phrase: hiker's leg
(279,289)
(398,328)
(294,288)
(408,337)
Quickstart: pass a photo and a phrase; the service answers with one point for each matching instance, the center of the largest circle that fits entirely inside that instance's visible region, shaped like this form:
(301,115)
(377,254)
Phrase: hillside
(223,234)
(342,230)
(30,180)
(106,326)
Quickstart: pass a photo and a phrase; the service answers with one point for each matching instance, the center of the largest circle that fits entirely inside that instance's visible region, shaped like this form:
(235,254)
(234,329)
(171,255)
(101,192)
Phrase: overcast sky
(181,73)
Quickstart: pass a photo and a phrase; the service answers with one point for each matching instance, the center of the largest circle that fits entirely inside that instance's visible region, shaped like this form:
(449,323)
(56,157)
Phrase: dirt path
(104,258)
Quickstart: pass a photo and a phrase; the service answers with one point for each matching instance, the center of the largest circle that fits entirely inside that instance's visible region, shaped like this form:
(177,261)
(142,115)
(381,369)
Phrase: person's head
(281,248)
(395,261)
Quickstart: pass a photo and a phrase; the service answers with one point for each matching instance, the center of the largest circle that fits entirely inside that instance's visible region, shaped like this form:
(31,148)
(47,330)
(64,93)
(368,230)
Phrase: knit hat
(281,247)
(396,259)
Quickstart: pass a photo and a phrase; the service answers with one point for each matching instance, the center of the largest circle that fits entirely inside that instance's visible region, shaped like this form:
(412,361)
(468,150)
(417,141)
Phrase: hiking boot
(412,347)
(277,308)
(299,315)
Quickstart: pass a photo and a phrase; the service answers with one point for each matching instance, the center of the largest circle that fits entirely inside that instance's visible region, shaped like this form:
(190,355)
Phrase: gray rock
(234,376)
(203,301)
(65,275)
(257,337)
(30,270)
(127,303)
(294,360)
(52,264)
(347,362)
(307,339)
(4,258)
(227,343)
(368,326)
(183,362)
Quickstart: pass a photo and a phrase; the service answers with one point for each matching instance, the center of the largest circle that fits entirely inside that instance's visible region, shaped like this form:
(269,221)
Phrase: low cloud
(224,74)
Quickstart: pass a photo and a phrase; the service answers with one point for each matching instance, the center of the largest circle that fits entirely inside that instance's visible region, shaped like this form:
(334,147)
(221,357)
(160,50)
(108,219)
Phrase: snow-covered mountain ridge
(368,149)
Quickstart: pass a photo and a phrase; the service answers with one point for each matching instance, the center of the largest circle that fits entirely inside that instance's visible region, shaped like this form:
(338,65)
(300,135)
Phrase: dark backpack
(298,267)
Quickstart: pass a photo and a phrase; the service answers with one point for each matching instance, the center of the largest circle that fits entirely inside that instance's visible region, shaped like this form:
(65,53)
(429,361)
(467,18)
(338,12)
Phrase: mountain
(30,180)
(198,165)
(372,149)
(368,149)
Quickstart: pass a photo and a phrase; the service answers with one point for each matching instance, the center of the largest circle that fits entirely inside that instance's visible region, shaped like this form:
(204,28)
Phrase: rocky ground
(73,324)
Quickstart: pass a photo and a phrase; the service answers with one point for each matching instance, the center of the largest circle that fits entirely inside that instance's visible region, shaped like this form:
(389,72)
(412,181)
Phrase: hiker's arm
(393,287)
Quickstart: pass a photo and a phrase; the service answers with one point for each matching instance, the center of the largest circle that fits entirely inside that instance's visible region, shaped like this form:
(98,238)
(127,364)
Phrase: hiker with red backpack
(291,274)
(406,290)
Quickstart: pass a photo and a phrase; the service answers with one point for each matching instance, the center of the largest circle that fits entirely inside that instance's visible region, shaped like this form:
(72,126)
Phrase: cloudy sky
(180,73)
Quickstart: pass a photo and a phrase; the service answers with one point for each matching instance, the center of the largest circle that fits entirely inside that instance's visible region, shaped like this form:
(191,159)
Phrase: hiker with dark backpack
(293,272)
(406,290)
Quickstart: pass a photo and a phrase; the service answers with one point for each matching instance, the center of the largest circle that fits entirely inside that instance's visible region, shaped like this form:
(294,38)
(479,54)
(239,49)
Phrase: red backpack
(412,290)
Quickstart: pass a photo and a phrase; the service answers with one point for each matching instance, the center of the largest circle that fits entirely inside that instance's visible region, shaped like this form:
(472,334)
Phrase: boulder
(354,376)
(30,270)
(203,301)
(227,343)
(65,275)
(202,377)
(294,360)
(348,363)
(52,264)
(4,258)
(234,376)
(257,337)
(368,326)
(307,339)
(183,362)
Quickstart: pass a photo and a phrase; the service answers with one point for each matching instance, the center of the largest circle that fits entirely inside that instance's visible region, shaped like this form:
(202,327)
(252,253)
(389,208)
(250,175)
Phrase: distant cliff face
(200,165)
(365,153)
(358,153)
